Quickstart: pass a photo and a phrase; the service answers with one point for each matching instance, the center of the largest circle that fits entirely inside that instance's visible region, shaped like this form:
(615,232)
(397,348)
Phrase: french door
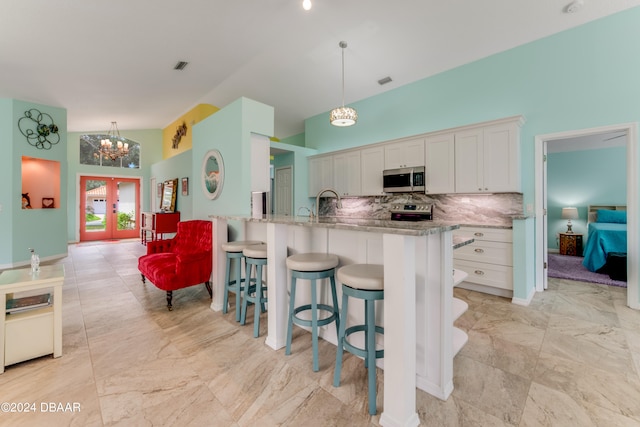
(109,208)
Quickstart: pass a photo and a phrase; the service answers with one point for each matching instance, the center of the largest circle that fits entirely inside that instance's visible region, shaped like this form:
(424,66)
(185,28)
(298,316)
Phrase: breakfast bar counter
(418,266)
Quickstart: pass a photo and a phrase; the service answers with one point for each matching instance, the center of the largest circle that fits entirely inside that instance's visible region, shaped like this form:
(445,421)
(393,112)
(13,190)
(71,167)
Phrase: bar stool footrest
(321,322)
(358,351)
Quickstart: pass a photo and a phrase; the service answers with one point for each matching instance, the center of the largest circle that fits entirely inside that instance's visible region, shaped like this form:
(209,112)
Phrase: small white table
(36,332)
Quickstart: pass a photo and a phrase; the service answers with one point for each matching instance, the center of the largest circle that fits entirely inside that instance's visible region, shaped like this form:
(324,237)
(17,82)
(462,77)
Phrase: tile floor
(570,359)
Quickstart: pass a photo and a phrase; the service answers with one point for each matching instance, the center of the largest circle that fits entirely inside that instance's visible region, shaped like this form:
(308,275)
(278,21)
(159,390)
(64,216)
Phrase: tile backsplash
(487,209)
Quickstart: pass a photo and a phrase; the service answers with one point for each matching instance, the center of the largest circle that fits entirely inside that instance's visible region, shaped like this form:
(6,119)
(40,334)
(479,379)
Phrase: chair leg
(143,278)
(292,302)
(314,325)
(247,291)
(225,303)
(239,287)
(258,302)
(340,350)
(207,285)
(371,352)
(169,298)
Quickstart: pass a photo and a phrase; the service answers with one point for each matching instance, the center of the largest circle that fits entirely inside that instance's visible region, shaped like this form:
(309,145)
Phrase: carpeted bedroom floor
(570,267)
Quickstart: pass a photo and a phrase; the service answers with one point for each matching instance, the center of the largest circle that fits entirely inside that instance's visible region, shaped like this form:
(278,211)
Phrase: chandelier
(343,116)
(112,146)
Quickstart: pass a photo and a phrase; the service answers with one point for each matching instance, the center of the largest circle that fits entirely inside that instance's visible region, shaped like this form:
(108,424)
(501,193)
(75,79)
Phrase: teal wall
(553,83)
(296,157)
(179,166)
(580,179)
(581,78)
(6,191)
(45,230)
(229,131)
(298,140)
(150,141)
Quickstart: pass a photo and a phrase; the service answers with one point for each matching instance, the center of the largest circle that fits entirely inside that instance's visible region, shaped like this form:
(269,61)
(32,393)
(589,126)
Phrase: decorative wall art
(48,203)
(180,132)
(39,129)
(169,191)
(185,186)
(212,174)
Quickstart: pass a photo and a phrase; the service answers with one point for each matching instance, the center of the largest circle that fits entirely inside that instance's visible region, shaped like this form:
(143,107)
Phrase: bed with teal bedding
(607,234)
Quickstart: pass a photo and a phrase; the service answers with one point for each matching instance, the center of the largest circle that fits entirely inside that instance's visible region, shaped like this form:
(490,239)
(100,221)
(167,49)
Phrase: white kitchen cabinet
(440,164)
(320,174)
(371,167)
(404,154)
(488,261)
(346,173)
(487,159)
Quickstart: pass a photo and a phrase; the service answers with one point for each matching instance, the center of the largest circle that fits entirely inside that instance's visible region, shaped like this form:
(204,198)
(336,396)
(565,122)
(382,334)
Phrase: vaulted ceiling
(114,60)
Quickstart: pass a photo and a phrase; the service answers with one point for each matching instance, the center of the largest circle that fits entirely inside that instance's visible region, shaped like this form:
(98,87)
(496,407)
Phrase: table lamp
(569,214)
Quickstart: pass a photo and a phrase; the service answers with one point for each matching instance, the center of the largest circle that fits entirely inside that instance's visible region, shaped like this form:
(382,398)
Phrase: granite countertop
(418,228)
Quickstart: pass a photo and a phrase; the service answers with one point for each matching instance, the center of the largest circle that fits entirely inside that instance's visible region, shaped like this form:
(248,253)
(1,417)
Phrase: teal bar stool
(363,281)
(312,266)
(256,292)
(234,253)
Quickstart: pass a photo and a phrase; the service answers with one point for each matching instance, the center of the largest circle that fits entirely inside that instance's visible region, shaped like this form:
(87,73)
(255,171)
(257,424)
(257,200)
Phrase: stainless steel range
(412,212)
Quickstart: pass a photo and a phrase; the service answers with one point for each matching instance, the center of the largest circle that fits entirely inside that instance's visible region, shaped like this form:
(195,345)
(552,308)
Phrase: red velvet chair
(182,261)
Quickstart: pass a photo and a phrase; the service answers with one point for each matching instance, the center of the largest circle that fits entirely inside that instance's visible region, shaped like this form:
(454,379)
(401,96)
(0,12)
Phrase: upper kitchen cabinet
(320,173)
(487,159)
(404,154)
(346,173)
(372,166)
(440,164)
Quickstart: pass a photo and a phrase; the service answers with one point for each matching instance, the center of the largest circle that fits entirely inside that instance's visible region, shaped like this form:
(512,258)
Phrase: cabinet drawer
(490,252)
(482,233)
(28,335)
(498,276)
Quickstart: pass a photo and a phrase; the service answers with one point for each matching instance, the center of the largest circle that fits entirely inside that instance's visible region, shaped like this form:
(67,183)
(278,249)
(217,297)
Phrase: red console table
(156,224)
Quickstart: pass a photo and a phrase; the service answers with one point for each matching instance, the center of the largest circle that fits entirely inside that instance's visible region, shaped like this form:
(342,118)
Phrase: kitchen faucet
(320,193)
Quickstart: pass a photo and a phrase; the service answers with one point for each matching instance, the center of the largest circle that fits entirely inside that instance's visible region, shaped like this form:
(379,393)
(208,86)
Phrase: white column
(399,331)
(219,262)
(277,285)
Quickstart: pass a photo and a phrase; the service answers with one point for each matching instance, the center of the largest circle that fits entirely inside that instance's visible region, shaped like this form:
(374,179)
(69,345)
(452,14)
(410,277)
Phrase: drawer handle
(479,250)
(478,234)
(479,272)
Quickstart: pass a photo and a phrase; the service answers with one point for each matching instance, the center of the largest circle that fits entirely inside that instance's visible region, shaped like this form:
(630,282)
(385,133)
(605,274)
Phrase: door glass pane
(126,205)
(95,205)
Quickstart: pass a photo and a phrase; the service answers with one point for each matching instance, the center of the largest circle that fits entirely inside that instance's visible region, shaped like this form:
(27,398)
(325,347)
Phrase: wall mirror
(168,203)
(212,174)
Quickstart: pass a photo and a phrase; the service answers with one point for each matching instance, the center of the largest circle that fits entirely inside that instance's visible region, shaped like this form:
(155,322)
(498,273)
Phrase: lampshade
(343,116)
(570,213)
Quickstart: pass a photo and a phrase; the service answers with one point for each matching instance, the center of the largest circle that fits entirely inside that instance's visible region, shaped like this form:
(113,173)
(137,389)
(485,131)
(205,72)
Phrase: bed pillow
(617,217)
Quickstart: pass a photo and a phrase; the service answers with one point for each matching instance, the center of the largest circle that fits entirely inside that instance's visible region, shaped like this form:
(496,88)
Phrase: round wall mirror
(212,174)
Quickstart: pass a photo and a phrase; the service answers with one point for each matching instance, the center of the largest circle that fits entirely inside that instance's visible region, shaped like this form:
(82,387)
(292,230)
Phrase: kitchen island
(418,266)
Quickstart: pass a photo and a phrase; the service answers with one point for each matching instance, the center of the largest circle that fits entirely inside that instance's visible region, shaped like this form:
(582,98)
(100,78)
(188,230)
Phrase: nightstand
(571,244)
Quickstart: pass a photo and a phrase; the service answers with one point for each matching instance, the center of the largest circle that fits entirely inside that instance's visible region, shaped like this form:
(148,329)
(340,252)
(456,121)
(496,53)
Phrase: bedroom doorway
(633,206)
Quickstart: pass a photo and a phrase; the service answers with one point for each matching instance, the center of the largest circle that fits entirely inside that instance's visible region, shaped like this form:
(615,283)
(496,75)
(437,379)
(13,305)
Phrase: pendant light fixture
(343,116)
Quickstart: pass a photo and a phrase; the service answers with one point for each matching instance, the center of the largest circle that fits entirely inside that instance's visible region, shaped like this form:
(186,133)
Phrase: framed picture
(48,203)
(185,186)
(212,174)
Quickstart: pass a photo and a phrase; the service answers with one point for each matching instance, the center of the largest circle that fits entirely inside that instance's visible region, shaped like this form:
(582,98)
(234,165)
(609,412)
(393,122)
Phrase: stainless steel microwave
(403,180)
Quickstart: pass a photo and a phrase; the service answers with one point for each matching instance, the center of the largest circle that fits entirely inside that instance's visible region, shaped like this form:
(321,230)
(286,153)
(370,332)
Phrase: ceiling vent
(384,81)
(180,65)
(574,6)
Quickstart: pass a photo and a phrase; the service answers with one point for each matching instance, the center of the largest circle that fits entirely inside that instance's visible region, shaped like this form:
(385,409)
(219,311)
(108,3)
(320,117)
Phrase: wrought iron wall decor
(44,135)
(180,132)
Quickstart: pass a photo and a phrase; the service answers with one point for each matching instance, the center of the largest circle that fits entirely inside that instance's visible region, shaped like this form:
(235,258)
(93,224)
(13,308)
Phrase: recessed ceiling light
(574,6)
(180,65)
(384,80)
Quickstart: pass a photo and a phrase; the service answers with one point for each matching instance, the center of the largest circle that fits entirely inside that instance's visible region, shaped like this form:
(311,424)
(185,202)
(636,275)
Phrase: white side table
(36,332)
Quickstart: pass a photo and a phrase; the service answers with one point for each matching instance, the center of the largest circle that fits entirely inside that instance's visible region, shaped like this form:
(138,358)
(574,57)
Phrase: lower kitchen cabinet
(488,261)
